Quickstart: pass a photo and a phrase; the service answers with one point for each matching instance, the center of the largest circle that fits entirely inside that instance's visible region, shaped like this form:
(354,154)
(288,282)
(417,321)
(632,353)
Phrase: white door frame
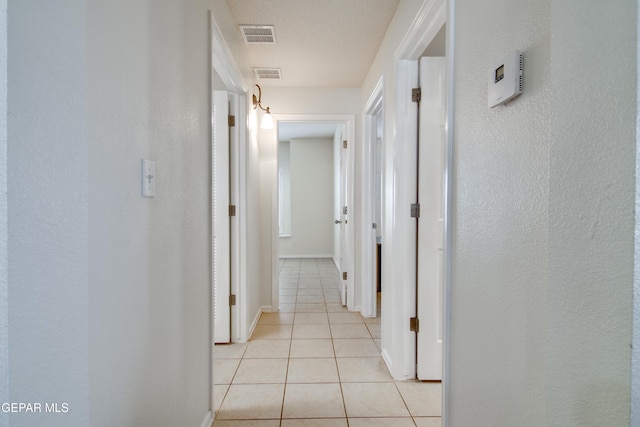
(349,122)
(432,15)
(224,65)
(431,160)
(367,266)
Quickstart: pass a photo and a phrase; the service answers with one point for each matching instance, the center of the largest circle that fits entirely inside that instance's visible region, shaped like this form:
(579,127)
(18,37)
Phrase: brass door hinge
(232,121)
(415,210)
(416,94)
(232,210)
(414,324)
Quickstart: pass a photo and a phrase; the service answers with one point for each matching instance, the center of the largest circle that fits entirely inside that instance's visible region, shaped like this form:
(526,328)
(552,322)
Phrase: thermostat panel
(505,79)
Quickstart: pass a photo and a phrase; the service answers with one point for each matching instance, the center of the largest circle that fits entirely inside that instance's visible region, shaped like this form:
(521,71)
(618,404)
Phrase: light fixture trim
(267,119)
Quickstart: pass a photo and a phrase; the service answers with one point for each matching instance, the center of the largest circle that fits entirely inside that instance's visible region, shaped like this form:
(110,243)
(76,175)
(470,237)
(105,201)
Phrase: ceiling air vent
(258,33)
(268,73)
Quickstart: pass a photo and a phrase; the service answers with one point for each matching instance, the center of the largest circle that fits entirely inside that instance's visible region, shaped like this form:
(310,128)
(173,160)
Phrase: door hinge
(232,210)
(414,324)
(232,121)
(344,275)
(416,94)
(232,299)
(344,210)
(374,226)
(415,210)
(345,144)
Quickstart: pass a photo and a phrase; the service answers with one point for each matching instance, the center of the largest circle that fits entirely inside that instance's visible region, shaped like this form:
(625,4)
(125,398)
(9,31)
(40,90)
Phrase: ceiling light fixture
(267,119)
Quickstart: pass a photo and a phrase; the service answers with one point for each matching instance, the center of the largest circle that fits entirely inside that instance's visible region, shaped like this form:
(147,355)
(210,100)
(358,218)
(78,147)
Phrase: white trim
(223,62)
(208,420)
(374,103)
(387,359)
(448,215)
(428,21)
(366,278)
(256,319)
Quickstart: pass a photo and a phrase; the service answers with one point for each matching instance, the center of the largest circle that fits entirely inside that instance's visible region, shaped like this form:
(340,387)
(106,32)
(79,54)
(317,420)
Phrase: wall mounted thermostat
(505,79)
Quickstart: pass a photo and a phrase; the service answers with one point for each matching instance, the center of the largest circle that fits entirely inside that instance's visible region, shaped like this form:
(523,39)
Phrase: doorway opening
(313,198)
(372,202)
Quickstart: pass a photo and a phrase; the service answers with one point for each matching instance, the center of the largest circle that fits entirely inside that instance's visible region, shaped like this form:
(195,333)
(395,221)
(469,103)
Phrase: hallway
(316,364)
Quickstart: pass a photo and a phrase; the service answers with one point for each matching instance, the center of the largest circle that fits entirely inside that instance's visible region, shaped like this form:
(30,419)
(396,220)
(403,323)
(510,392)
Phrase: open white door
(221,241)
(431,168)
(344,218)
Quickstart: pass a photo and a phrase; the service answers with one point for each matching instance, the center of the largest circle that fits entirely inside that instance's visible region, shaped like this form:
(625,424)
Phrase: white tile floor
(316,364)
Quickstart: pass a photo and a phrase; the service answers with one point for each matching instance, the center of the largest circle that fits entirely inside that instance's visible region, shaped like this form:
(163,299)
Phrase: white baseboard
(387,361)
(256,319)
(208,420)
(254,323)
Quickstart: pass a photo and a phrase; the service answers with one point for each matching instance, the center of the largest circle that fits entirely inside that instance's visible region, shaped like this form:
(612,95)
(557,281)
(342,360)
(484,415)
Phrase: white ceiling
(320,43)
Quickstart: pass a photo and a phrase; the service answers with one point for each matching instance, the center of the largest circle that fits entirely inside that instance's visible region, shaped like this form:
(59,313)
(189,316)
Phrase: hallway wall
(591,214)
(149,259)
(48,224)
(542,249)
(4,273)
(110,292)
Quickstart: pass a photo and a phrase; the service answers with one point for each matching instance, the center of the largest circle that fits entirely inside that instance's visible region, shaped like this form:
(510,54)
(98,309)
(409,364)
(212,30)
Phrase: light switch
(148,178)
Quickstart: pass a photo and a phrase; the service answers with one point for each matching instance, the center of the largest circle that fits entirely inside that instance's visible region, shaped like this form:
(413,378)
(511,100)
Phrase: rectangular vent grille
(521,68)
(260,34)
(268,73)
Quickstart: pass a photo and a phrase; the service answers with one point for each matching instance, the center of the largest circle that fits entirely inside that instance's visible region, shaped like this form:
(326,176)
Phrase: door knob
(337,221)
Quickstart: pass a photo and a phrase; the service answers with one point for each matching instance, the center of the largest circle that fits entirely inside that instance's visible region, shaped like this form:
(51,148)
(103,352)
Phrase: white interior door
(431,221)
(344,218)
(221,240)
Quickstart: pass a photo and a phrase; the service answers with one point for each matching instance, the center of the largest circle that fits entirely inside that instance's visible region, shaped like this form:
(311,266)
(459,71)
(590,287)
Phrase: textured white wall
(591,211)
(543,238)
(109,307)
(500,242)
(4,274)
(48,210)
(635,361)
(311,166)
(149,83)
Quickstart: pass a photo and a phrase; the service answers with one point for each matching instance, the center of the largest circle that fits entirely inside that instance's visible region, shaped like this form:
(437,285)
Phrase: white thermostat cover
(505,79)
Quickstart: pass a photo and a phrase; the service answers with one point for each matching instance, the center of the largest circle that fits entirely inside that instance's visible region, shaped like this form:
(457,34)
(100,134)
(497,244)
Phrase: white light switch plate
(148,178)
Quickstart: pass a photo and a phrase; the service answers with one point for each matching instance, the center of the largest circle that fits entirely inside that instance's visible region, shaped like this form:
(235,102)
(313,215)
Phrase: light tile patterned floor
(314,364)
